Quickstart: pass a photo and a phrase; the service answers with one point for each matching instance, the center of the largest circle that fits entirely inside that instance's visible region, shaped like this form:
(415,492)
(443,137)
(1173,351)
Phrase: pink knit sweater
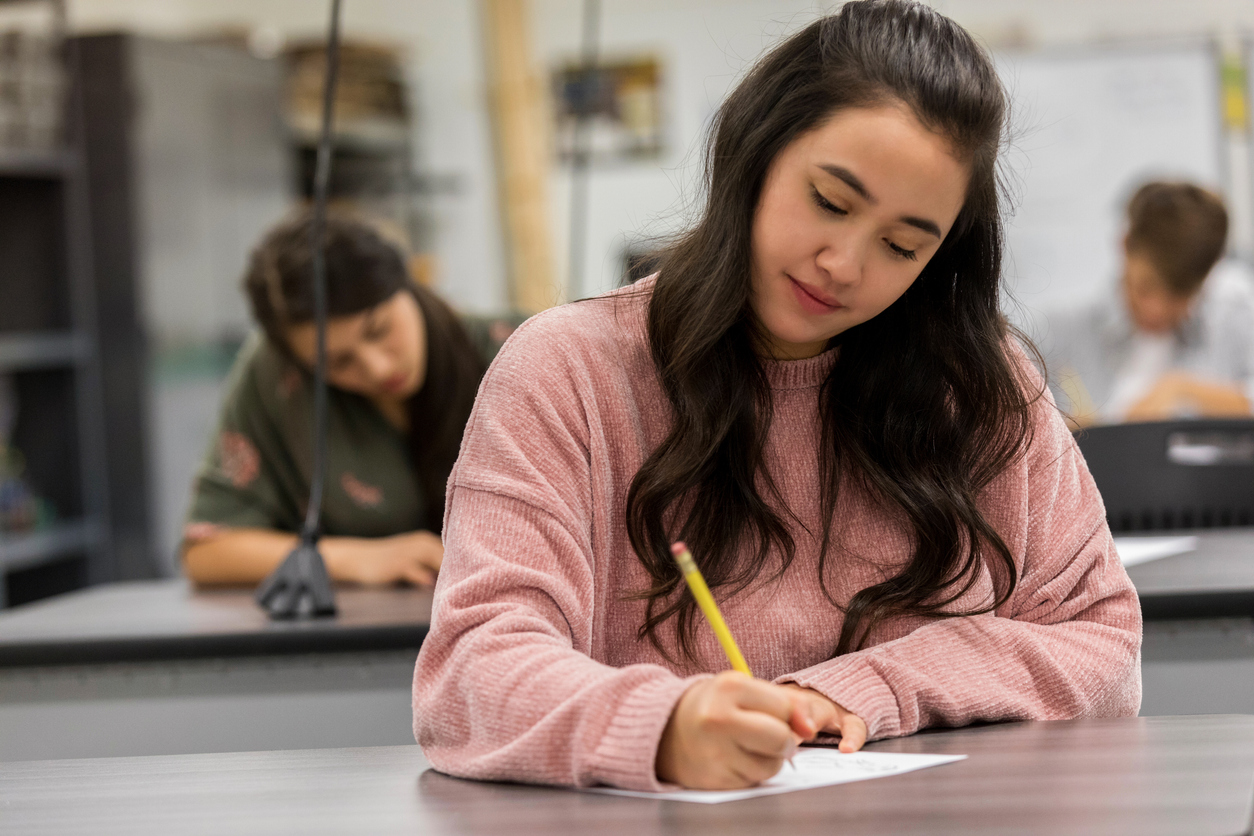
(533,671)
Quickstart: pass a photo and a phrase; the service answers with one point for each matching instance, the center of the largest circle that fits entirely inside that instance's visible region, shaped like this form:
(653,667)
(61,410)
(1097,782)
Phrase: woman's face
(849,215)
(380,353)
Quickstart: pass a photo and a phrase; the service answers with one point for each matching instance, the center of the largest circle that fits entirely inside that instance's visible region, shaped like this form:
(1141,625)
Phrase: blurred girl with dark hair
(819,395)
(403,372)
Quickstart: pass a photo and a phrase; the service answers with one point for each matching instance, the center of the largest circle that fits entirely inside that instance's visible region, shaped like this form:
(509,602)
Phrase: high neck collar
(799,374)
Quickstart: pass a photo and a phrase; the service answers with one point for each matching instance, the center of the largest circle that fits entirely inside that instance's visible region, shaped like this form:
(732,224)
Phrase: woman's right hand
(413,557)
(727,732)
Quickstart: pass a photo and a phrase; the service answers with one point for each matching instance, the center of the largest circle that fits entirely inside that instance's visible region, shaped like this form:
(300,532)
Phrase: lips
(812,299)
(394,383)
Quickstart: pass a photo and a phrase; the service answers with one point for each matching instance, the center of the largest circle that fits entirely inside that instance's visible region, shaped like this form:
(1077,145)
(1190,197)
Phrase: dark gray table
(1215,581)
(1151,777)
(1198,654)
(153,668)
(157,668)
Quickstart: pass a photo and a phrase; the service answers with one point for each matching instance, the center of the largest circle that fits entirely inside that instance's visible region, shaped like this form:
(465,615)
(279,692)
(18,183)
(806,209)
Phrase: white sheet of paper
(811,767)
(1134,550)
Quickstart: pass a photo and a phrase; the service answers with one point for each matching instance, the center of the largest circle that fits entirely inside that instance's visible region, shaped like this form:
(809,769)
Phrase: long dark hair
(923,406)
(363,271)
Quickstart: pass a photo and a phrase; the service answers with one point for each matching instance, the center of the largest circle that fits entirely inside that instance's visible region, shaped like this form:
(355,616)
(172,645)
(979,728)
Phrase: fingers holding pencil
(727,732)
(733,730)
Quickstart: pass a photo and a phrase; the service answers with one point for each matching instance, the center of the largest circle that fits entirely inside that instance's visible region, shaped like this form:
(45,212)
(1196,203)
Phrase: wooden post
(522,153)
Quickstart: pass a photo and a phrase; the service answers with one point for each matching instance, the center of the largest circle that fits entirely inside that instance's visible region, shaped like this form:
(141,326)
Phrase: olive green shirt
(256,472)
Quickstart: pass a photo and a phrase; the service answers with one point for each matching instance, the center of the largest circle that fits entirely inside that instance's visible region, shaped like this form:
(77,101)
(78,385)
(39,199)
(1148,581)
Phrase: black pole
(322,181)
(300,587)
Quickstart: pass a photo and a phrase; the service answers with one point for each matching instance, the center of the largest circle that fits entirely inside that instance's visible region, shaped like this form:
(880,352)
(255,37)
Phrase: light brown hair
(1181,228)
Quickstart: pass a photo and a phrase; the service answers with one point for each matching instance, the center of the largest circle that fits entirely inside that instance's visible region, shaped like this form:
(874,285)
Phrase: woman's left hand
(413,557)
(813,713)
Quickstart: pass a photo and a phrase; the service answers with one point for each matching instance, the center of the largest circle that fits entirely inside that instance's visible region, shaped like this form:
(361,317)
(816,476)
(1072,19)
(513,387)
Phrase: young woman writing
(818,394)
(403,374)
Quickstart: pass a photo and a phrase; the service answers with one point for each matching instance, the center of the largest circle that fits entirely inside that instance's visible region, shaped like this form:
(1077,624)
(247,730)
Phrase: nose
(377,364)
(843,259)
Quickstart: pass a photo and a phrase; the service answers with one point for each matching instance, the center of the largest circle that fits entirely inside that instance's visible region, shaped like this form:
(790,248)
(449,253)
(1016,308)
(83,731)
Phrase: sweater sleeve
(505,687)
(1066,644)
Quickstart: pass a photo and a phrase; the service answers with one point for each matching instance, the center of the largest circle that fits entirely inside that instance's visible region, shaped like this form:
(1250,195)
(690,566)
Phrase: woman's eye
(901,251)
(825,204)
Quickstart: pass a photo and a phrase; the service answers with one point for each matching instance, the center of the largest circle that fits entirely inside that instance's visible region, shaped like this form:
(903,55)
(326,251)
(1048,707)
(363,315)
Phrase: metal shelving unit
(20,551)
(21,162)
(48,344)
(42,350)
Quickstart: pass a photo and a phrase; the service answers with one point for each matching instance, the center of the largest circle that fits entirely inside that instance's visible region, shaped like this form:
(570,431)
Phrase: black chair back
(1173,474)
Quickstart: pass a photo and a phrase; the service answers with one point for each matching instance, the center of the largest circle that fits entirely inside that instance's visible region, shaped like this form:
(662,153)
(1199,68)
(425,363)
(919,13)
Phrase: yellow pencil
(696,583)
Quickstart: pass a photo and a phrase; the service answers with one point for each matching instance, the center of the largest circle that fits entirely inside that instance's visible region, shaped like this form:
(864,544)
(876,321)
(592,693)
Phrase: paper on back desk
(1134,550)
(810,768)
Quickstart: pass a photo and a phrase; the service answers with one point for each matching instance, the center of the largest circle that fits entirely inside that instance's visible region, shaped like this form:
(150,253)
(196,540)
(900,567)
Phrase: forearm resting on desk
(1180,392)
(247,555)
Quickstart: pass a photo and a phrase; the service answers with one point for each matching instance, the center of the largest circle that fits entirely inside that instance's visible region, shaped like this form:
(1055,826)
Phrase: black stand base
(299,588)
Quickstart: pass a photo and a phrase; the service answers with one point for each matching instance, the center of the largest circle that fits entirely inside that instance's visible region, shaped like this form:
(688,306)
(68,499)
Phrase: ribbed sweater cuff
(854,685)
(627,753)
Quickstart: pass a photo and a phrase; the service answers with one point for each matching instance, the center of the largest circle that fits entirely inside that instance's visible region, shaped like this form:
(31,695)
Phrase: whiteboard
(1087,127)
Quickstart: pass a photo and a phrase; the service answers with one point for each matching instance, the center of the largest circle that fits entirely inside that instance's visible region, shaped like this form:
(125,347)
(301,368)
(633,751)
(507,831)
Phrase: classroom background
(527,152)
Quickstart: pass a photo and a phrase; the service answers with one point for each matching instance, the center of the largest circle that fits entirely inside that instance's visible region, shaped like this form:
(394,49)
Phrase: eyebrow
(851,180)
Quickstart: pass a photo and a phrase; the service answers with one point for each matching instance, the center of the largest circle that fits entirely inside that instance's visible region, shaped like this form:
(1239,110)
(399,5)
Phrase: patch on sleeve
(367,496)
(241,463)
(196,531)
(289,383)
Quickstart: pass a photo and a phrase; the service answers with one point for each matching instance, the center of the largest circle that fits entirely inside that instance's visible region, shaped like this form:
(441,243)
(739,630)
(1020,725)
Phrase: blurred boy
(1179,339)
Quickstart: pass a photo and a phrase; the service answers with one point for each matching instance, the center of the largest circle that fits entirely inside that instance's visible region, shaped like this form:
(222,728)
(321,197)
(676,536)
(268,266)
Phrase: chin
(406,392)
(1155,328)
(788,330)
